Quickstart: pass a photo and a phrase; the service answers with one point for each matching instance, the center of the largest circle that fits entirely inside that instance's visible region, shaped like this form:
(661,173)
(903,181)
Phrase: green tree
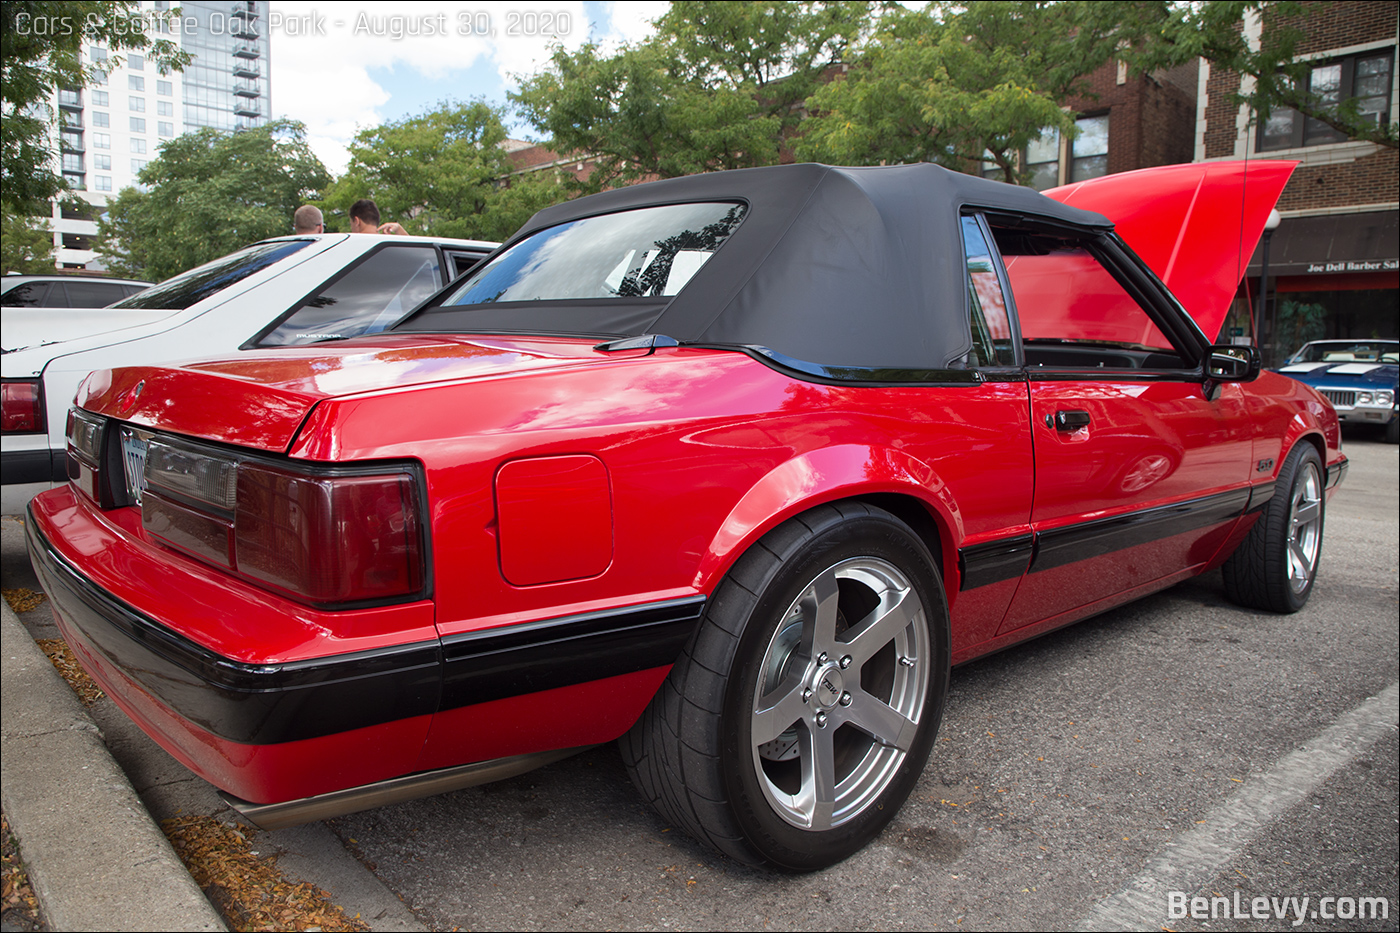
(440,174)
(959,83)
(26,244)
(208,193)
(719,87)
(40,52)
(1215,30)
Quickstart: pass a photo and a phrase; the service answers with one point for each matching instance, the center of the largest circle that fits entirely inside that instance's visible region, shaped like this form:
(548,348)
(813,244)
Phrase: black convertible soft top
(858,267)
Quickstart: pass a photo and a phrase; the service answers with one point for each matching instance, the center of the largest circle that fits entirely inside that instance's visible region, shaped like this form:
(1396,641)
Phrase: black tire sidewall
(782,844)
(1279,529)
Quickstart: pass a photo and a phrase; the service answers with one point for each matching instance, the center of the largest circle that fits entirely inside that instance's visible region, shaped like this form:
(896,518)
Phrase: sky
(342,67)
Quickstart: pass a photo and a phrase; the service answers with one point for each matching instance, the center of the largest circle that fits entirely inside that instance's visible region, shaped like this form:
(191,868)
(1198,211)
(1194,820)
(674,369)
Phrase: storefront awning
(1334,244)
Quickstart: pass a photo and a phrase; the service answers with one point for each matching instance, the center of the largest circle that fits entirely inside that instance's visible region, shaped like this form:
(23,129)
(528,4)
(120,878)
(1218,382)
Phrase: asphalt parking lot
(1177,756)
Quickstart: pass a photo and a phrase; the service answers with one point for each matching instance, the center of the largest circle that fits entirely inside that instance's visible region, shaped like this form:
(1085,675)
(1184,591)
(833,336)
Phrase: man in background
(364,218)
(307,219)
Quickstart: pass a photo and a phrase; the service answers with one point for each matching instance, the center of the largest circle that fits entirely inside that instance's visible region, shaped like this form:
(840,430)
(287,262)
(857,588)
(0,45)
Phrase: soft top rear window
(646,255)
(188,288)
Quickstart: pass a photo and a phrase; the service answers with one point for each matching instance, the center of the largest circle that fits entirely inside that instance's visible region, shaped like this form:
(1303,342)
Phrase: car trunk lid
(260,399)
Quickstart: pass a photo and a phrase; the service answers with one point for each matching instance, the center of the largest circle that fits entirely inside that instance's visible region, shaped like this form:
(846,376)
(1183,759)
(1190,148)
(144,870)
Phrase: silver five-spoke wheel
(842,686)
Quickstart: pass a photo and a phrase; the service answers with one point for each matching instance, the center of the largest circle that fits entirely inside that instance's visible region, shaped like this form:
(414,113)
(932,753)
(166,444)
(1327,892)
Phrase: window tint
(650,252)
(991,326)
(93,294)
(27,295)
(378,291)
(186,289)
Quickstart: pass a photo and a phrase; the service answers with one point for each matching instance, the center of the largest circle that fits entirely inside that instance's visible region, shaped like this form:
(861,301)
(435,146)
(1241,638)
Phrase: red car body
(570,511)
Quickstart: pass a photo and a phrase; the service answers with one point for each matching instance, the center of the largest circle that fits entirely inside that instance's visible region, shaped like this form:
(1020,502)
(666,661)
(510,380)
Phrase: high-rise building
(110,129)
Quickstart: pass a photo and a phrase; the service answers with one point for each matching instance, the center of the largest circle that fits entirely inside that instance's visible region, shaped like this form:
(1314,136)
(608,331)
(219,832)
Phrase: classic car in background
(731,467)
(1359,377)
(283,292)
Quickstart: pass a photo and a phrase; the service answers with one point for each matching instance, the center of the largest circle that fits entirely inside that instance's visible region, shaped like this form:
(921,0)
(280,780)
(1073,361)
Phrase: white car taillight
(21,407)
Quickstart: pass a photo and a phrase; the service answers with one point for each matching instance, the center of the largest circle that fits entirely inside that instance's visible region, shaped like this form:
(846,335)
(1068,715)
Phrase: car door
(1141,468)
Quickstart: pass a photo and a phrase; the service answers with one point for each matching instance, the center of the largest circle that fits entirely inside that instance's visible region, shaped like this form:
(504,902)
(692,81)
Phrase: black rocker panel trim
(1006,559)
(267,704)
(1259,496)
(1061,546)
(995,561)
(498,663)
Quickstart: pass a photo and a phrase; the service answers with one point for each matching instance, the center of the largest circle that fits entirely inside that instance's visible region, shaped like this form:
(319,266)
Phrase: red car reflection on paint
(732,468)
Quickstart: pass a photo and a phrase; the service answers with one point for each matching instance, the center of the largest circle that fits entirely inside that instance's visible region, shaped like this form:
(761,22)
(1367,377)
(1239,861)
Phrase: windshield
(1346,351)
(188,288)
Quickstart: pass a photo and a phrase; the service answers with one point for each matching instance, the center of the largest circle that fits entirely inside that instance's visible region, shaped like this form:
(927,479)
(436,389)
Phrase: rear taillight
(85,438)
(334,536)
(21,407)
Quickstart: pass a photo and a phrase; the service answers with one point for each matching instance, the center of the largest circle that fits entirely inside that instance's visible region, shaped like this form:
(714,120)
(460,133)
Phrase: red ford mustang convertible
(732,468)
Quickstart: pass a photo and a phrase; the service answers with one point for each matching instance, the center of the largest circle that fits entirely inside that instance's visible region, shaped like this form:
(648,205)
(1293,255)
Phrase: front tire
(1274,568)
(802,712)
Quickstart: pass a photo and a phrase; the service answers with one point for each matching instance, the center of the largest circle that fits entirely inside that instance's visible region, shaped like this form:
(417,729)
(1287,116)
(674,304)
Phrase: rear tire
(803,710)
(1274,568)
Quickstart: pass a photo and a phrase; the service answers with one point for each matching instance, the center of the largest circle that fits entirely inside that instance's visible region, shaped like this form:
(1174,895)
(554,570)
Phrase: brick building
(1126,122)
(1334,262)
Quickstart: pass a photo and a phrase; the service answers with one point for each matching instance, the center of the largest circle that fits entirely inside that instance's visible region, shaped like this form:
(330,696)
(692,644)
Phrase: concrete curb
(96,859)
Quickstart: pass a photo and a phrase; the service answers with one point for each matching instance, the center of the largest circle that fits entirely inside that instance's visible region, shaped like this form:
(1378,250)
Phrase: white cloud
(322,53)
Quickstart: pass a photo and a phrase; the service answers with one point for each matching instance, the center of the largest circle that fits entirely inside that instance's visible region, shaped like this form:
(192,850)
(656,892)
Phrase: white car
(282,292)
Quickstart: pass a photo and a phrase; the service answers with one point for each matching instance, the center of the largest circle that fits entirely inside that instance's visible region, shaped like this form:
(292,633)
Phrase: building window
(165,108)
(71,140)
(138,145)
(103,182)
(136,104)
(99,99)
(103,163)
(138,125)
(100,119)
(71,118)
(163,88)
(1088,153)
(69,97)
(101,141)
(72,162)
(97,53)
(136,82)
(136,62)
(75,181)
(165,129)
(137,165)
(1042,160)
(1364,78)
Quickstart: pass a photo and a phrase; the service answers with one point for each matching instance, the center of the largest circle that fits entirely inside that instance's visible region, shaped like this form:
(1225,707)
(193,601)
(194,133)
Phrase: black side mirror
(1228,362)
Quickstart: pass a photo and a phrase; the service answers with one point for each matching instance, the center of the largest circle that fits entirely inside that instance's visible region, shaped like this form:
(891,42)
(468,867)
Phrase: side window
(991,326)
(27,295)
(464,262)
(382,288)
(1073,312)
(93,294)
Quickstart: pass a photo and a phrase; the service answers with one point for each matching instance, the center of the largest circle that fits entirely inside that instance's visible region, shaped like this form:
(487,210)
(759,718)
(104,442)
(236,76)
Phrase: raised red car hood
(260,399)
(1196,225)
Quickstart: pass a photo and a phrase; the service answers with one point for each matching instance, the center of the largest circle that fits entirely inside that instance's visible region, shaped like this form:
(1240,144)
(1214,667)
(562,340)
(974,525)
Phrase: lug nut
(845,662)
(806,695)
(821,720)
(845,698)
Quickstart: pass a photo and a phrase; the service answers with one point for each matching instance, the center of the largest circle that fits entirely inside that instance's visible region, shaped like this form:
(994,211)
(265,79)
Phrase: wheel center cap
(827,685)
